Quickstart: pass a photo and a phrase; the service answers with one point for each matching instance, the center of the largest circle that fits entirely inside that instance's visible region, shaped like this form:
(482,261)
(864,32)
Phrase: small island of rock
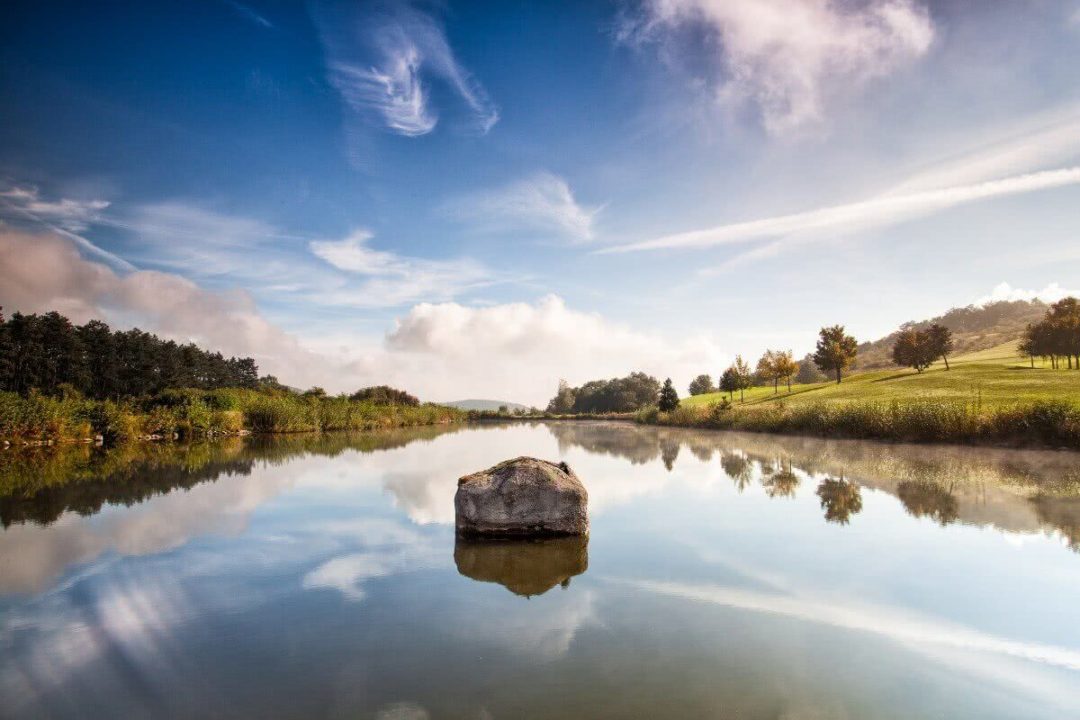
(524,497)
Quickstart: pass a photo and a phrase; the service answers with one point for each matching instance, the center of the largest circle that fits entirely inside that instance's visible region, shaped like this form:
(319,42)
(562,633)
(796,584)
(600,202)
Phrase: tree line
(633,392)
(49,353)
(1056,337)
(835,353)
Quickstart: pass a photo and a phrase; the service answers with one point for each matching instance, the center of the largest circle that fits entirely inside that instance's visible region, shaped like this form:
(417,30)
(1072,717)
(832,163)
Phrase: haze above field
(476,200)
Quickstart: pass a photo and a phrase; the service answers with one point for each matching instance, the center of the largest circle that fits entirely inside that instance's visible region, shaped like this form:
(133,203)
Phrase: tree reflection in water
(840,499)
(782,482)
(739,468)
(925,498)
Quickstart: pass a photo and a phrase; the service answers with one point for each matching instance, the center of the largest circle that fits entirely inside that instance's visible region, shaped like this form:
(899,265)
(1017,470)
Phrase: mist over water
(726,575)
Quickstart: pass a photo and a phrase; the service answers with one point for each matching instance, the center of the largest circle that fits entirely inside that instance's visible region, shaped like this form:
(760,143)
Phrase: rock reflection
(524,567)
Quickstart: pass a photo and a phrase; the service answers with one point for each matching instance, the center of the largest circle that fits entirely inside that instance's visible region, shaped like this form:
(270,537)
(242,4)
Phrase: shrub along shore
(1043,423)
(70,417)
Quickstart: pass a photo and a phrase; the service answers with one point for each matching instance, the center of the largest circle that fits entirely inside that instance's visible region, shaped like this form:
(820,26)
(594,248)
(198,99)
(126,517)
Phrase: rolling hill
(986,369)
(991,377)
(974,328)
(488,405)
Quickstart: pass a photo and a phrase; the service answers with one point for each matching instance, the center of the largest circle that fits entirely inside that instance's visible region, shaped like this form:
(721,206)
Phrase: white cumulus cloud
(519,351)
(1006,292)
(785,57)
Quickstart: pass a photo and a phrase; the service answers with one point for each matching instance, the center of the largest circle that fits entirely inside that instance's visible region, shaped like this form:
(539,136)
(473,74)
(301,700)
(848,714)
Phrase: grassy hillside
(974,329)
(993,377)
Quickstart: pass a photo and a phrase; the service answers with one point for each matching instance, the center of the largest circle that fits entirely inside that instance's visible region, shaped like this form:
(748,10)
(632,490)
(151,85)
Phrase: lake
(725,576)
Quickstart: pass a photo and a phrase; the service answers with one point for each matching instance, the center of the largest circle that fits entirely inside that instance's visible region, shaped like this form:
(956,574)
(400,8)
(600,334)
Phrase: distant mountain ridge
(478,404)
(974,328)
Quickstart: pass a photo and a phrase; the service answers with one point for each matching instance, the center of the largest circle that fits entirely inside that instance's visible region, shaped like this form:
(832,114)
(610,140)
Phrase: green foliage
(385,395)
(1053,423)
(701,384)
(190,413)
(618,395)
(913,349)
(836,351)
(669,398)
(1057,336)
(47,352)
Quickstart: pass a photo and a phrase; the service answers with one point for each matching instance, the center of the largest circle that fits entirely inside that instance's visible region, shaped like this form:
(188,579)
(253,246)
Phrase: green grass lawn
(996,377)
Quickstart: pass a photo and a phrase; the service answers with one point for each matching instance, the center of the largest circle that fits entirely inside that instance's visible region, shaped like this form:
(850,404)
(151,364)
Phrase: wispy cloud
(876,212)
(1035,142)
(249,14)
(65,216)
(542,203)
(203,243)
(384,60)
(391,279)
(920,633)
(784,57)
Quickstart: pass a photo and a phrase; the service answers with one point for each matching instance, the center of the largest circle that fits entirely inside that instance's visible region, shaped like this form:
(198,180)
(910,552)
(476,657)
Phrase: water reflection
(840,499)
(926,498)
(1021,491)
(186,581)
(524,567)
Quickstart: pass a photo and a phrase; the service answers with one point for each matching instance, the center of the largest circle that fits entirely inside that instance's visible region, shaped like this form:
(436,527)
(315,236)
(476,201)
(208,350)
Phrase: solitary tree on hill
(743,377)
(669,398)
(729,382)
(836,351)
(913,349)
(766,369)
(941,342)
(701,385)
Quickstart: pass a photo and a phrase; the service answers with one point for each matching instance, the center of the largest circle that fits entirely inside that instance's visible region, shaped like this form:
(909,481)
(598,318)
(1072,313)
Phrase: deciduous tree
(701,385)
(836,351)
(940,340)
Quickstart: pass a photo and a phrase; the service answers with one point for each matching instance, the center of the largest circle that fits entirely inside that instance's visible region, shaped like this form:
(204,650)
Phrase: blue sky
(480,198)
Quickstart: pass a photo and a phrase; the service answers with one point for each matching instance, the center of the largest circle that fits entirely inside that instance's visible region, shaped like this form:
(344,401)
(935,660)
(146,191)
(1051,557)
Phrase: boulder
(524,567)
(524,497)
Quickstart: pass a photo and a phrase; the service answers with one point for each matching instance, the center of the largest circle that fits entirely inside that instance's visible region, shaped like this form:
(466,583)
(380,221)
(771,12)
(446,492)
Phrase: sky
(478,199)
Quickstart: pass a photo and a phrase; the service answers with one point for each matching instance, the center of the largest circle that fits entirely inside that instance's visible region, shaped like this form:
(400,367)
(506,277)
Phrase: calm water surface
(726,576)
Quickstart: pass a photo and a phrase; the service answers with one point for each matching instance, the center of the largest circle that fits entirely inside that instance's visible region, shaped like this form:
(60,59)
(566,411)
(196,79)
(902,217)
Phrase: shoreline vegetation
(61,382)
(37,419)
(990,395)
(1042,423)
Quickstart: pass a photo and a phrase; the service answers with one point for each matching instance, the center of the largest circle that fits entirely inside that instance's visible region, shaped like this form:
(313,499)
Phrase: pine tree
(669,398)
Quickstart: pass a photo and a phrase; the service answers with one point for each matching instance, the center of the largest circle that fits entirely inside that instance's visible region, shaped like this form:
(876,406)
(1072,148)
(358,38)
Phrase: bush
(1054,423)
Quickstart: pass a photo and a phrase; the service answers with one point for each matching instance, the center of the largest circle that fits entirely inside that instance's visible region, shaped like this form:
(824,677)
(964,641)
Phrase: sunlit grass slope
(990,378)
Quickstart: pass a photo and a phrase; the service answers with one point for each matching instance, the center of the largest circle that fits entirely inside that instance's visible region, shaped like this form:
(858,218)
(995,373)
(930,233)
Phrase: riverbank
(175,414)
(1044,423)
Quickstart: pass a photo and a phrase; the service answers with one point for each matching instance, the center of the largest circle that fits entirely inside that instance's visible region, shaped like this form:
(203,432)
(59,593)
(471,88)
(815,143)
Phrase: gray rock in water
(521,498)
